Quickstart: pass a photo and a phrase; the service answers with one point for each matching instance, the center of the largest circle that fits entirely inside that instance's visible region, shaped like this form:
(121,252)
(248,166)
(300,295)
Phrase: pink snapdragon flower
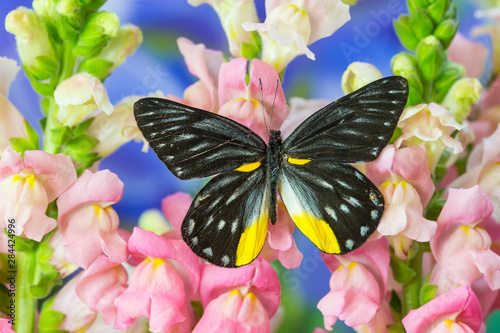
(205,65)
(12,124)
(28,185)
(78,97)
(100,285)
(5,326)
(238,300)
(243,102)
(379,322)
(404,178)
(460,245)
(292,25)
(432,125)
(88,222)
(161,286)
(357,286)
(456,311)
(78,315)
(472,55)
(58,256)
(482,169)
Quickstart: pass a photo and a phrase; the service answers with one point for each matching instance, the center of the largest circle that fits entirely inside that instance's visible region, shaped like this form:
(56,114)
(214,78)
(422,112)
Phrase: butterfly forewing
(194,143)
(354,128)
(334,205)
(227,221)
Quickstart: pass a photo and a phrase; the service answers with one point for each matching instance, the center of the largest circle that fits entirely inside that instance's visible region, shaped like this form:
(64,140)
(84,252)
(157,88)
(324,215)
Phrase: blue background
(157,65)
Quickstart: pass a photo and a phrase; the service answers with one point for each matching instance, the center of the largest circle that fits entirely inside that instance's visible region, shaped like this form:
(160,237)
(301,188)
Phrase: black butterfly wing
(194,143)
(354,128)
(227,221)
(333,204)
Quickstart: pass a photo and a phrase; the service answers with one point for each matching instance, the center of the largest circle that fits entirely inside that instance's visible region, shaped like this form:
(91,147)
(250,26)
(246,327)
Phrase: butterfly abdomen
(273,170)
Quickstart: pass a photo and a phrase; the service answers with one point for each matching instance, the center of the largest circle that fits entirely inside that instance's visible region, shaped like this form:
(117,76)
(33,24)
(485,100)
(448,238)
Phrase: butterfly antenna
(263,110)
(274,100)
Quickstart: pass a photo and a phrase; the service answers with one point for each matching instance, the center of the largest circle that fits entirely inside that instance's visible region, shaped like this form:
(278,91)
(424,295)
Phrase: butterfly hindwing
(354,128)
(227,221)
(333,204)
(194,143)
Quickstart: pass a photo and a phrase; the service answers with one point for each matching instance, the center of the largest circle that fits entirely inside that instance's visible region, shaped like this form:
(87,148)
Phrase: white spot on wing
(364,230)
(331,212)
(221,225)
(225,260)
(344,208)
(353,201)
(194,240)
(344,184)
(208,251)
(190,226)
(349,244)
(374,214)
(234,226)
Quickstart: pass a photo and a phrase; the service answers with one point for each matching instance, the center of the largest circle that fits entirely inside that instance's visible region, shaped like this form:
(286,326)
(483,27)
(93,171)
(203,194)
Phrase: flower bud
(115,52)
(153,220)
(445,32)
(31,36)
(421,23)
(461,96)
(413,4)
(99,29)
(430,56)
(405,65)
(449,73)
(405,33)
(438,9)
(357,75)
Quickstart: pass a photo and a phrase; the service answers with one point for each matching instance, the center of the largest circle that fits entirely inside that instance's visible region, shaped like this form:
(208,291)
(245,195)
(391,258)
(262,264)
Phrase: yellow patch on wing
(298,161)
(252,240)
(248,167)
(318,231)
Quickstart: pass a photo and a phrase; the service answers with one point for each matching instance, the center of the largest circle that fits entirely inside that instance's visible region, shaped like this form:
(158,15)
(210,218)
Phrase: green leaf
(427,293)
(396,328)
(82,143)
(249,51)
(39,74)
(83,126)
(21,144)
(402,273)
(32,135)
(66,30)
(421,23)
(405,32)
(434,208)
(449,73)
(414,4)
(446,31)
(437,9)
(100,68)
(45,285)
(47,64)
(41,88)
(430,56)
(395,304)
(50,320)
(60,135)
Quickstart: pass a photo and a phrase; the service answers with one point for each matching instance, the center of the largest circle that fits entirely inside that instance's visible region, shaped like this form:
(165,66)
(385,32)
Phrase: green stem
(68,60)
(411,290)
(25,302)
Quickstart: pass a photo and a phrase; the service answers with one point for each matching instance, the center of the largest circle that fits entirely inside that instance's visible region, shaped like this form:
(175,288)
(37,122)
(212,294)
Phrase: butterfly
(336,206)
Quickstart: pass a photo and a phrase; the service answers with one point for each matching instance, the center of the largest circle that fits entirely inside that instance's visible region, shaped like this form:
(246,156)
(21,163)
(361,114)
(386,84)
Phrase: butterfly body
(336,206)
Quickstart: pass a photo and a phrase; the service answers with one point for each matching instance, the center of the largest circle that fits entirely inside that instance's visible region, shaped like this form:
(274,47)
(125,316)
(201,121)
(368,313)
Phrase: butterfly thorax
(273,169)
